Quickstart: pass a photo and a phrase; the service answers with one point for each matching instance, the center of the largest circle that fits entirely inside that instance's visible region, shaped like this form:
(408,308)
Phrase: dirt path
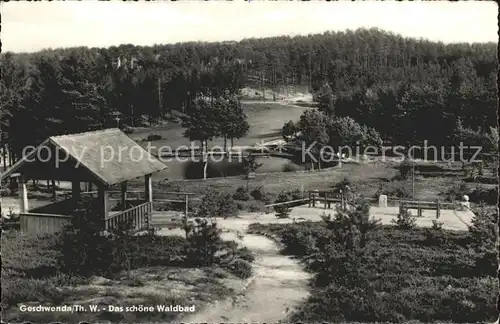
(279,283)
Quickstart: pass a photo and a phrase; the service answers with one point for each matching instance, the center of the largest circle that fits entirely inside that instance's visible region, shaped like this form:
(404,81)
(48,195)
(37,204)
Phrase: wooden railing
(140,216)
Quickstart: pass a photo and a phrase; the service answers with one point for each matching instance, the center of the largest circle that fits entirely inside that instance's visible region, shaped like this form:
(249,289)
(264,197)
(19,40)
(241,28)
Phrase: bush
(298,242)
(204,242)
(241,194)
(240,268)
(245,254)
(250,206)
(291,167)
(216,204)
(405,220)
(127,129)
(22,290)
(261,195)
(457,192)
(436,225)
(485,195)
(151,250)
(163,206)
(377,283)
(253,208)
(397,189)
(282,211)
(405,169)
(84,249)
(294,194)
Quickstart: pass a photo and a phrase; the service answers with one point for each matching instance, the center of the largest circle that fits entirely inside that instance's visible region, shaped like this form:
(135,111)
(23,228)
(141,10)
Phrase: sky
(32,26)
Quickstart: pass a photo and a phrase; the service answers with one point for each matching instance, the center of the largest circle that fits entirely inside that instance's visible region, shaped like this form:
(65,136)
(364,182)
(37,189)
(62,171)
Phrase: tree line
(421,89)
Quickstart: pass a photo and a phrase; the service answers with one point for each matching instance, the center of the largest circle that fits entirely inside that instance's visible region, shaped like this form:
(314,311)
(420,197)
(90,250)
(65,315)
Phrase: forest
(408,90)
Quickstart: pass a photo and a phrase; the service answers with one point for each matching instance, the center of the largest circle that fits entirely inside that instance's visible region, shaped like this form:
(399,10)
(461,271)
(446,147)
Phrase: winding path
(279,283)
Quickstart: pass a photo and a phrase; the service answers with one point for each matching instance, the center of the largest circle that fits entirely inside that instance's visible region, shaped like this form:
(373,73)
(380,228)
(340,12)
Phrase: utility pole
(310,72)
(159,95)
(131,115)
(413,178)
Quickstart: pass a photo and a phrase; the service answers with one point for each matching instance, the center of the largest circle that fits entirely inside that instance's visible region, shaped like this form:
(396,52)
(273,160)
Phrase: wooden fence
(327,202)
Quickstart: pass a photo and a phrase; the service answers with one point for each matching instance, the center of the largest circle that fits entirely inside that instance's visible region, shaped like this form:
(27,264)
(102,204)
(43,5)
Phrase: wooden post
(326,199)
(310,199)
(187,205)
(123,186)
(438,211)
(148,188)
(54,193)
(23,195)
(75,190)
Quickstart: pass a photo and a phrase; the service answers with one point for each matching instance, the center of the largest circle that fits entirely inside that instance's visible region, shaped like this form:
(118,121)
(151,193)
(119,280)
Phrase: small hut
(103,158)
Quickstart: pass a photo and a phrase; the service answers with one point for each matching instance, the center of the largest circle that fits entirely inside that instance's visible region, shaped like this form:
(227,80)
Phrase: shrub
(398,189)
(261,195)
(241,194)
(405,169)
(282,211)
(338,304)
(298,242)
(253,208)
(153,137)
(240,268)
(215,204)
(436,225)
(378,283)
(22,290)
(457,192)
(163,206)
(241,205)
(380,191)
(245,254)
(434,235)
(204,242)
(127,129)
(84,249)
(294,194)
(484,234)
(481,194)
(405,220)
(151,250)
(291,167)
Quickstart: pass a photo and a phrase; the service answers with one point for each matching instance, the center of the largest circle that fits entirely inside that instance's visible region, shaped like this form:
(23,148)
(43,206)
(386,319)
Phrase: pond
(178,170)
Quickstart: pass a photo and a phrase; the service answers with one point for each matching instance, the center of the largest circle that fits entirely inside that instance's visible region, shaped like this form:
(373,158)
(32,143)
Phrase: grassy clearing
(366,179)
(403,275)
(277,182)
(266,121)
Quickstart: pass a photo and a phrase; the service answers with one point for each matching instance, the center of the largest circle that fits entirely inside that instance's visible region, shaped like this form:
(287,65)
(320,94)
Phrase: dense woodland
(408,90)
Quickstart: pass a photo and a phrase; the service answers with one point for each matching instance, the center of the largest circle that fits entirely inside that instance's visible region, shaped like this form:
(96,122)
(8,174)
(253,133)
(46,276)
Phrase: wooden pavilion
(103,158)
